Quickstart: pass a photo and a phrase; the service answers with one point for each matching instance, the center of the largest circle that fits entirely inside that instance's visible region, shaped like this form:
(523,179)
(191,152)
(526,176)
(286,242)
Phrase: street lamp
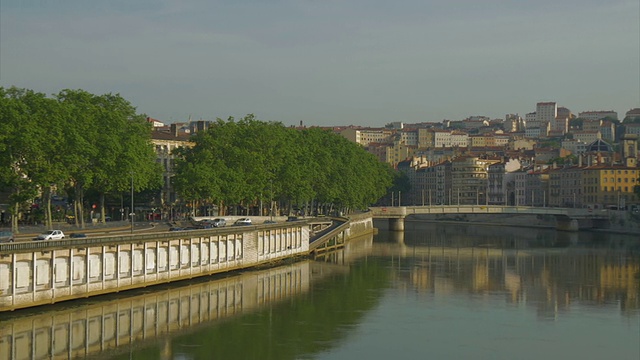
(132,213)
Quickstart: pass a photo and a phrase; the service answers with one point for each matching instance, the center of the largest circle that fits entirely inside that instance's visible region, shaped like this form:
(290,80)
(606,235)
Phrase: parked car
(51,235)
(6,236)
(218,222)
(242,221)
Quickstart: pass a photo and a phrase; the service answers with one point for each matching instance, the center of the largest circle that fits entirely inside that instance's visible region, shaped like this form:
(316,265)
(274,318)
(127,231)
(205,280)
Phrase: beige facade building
(469,179)
(165,143)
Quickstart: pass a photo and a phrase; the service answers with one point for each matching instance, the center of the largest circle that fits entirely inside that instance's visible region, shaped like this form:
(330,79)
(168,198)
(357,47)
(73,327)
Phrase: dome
(599,146)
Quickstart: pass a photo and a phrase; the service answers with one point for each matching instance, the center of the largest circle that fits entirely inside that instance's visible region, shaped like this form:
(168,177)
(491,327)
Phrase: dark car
(6,236)
(77,235)
(293,218)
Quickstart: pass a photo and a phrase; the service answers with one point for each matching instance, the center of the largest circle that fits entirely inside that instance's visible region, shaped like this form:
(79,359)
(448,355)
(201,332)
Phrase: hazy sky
(329,62)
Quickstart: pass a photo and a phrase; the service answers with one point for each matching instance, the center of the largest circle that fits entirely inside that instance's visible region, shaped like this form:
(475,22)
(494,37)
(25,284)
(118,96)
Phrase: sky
(329,62)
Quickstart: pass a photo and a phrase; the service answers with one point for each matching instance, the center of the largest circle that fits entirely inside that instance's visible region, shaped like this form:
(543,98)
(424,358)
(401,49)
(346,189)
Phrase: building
(607,186)
(632,114)
(565,186)
(513,123)
(598,115)
(586,137)
(546,112)
(366,136)
(425,138)
(437,189)
(469,179)
(575,147)
(165,143)
(498,177)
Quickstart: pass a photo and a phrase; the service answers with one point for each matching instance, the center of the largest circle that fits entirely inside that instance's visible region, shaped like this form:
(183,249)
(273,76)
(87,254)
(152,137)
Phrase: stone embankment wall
(360,224)
(67,269)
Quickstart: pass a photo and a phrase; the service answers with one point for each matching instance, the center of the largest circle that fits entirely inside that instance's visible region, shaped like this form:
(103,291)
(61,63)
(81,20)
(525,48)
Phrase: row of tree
(69,143)
(250,162)
(76,143)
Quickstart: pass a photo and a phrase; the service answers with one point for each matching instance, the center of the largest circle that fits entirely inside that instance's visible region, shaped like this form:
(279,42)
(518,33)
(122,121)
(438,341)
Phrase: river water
(435,291)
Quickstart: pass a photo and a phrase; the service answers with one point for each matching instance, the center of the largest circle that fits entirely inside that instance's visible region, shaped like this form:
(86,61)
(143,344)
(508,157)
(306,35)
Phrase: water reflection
(114,324)
(368,300)
(552,270)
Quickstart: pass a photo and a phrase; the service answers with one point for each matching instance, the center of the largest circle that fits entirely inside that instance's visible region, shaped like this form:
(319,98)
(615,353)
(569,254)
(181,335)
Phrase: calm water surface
(435,291)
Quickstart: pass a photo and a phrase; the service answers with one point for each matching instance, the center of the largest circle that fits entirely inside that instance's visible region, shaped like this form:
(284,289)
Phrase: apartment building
(399,152)
(546,112)
(441,138)
(610,186)
(438,180)
(513,123)
(586,136)
(575,147)
(565,187)
(632,129)
(459,139)
(598,115)
(632,114)
(165,143)
(366,136)
(425,138)
(409,137)
(536,187)
(469,179)
(559,125)
(496,187)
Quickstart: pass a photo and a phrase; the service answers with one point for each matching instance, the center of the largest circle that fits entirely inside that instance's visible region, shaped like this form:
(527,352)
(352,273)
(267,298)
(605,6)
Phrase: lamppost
(271,201)
(132,213)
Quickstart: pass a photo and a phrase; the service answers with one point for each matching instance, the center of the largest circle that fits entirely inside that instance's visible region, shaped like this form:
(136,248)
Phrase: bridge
(567,219)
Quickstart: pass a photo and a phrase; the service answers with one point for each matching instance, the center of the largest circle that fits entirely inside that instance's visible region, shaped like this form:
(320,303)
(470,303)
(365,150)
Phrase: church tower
(630,150)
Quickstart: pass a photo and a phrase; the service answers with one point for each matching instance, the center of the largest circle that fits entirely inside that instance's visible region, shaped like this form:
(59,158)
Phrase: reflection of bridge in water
(113,325)
(568,219)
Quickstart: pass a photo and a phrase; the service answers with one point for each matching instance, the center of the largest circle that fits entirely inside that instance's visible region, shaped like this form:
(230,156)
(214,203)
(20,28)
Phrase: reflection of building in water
(549,279)
(76,331)
(621,279)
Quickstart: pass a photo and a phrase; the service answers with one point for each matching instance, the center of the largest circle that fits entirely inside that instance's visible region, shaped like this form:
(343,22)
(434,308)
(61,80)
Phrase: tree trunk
(102,208)
(14,218)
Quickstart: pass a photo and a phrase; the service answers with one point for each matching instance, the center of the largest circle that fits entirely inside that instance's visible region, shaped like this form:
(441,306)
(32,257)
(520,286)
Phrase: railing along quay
(35,273)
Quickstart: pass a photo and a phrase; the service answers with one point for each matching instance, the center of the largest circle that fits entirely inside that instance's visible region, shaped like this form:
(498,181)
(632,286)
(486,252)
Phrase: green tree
(248,162)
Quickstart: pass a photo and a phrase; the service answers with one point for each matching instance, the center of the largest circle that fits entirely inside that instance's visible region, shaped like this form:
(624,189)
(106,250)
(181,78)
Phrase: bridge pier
(567,224)
(396,224)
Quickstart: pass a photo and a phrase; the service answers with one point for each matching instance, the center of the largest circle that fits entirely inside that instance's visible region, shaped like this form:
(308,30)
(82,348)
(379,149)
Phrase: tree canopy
(70,143)
(250,162)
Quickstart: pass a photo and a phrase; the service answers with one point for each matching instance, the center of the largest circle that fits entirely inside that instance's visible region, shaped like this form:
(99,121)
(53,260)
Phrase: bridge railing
(403,211)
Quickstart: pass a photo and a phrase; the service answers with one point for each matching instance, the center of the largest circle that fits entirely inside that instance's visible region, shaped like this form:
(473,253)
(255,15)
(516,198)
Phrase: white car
(242,221)
(51,235)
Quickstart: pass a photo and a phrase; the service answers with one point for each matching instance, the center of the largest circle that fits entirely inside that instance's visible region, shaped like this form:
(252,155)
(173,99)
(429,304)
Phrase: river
(435,291)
